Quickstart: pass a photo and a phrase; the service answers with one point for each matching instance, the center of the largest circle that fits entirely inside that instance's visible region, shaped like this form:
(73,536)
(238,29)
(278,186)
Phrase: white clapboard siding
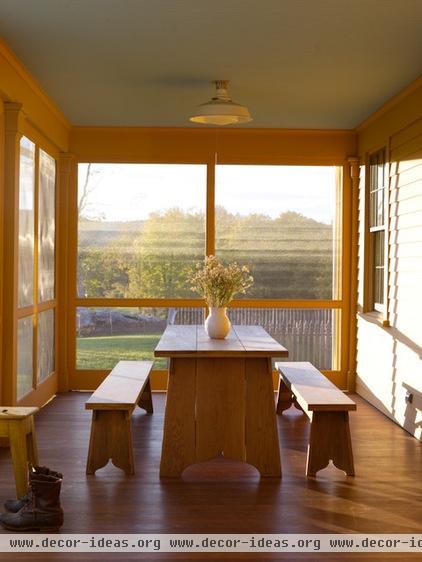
(406,206)
(384,377)
(406,135)
(406,157)
(406,191)
(406,249)
(404,178)
(406,221)
(413,263)
(406,278)
(409,235)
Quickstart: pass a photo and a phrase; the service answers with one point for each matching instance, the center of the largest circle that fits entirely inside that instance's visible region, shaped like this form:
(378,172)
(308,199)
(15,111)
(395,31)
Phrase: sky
(129,192)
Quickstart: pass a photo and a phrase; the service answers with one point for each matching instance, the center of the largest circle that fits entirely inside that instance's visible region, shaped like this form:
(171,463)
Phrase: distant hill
(291,256)
(103,233)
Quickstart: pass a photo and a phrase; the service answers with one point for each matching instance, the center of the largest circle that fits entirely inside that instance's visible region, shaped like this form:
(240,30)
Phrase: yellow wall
(201,145)
(389,357)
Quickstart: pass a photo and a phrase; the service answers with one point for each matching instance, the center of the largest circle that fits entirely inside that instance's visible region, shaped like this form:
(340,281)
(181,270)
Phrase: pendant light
(221,110)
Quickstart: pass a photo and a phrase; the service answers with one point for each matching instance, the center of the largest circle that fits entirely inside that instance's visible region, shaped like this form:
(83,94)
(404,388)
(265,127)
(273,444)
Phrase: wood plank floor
(227,497)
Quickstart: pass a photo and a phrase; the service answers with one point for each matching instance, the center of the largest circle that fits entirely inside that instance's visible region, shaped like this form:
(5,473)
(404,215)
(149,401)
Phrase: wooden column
(13,117)
(64,167)
(351,372)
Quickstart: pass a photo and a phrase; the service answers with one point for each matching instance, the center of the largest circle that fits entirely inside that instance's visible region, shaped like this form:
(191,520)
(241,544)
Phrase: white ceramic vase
(217,324)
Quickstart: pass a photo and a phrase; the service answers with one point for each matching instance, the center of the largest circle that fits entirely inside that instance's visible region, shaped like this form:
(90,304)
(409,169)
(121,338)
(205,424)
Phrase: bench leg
(297,405)
(284,398)
(111,438)
(145,400)
(330,440)
(18,448)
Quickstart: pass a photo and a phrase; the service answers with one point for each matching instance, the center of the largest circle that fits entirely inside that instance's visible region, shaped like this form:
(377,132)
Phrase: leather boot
(42,512)
(15,505)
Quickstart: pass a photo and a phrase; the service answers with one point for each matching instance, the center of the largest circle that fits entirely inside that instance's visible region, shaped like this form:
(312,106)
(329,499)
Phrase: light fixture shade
(221,110)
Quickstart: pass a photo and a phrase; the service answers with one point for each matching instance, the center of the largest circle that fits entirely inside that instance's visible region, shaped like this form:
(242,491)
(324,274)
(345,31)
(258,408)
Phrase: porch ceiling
(294,63)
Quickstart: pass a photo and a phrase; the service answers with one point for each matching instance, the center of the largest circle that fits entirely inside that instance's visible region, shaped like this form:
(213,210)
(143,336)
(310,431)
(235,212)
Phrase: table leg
(262,445)
(178,450)
(220,408)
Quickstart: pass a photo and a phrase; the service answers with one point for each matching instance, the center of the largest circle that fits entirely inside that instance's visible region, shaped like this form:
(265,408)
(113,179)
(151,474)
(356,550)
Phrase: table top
(242,341)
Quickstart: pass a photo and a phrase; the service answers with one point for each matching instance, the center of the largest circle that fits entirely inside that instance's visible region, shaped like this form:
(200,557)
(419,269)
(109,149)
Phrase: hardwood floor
(226,497)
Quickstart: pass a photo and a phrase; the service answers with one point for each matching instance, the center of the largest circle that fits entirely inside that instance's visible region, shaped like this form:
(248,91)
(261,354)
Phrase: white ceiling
(294,63)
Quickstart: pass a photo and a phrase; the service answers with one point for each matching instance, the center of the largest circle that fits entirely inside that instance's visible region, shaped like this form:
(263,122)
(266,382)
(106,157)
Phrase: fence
(306,333)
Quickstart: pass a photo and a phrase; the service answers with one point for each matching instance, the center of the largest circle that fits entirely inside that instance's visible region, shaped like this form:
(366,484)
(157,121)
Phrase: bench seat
(328,409)
(112,404)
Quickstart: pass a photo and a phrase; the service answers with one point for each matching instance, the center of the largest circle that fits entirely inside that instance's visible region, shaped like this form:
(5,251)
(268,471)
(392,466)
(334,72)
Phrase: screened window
(281,220)
(309,334)
(105,336)
(377,188)
(25,365)
(36,267)
(26,223)
(45,344)
(46,227)
(141,228)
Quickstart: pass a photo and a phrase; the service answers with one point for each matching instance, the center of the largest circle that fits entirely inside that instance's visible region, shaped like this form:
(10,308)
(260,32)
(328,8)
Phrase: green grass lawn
(104,352)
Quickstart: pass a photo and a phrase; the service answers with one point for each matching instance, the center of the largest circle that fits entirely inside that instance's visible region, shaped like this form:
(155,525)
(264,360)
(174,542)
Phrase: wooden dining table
(220,398)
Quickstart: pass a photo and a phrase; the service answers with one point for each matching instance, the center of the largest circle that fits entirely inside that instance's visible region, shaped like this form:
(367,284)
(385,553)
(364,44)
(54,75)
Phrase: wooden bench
(327,407)
(126,387)
(17,425)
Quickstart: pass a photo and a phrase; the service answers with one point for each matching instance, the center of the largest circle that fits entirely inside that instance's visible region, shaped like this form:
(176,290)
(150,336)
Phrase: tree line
(290,256)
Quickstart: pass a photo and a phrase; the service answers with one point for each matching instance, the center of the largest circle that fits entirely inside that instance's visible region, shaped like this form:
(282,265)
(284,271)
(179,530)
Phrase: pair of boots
(40,508)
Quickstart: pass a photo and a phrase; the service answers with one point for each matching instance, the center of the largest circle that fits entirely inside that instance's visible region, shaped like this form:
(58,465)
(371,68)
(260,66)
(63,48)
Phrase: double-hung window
(377,183)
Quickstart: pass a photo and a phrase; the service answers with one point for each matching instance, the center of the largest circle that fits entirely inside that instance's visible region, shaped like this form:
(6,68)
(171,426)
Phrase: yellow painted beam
(200,303)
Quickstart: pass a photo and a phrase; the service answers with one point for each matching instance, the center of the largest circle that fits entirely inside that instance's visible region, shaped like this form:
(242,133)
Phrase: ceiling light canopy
(221,110)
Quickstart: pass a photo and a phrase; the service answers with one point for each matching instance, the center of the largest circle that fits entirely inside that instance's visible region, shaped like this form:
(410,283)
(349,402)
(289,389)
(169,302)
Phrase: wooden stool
(17,424)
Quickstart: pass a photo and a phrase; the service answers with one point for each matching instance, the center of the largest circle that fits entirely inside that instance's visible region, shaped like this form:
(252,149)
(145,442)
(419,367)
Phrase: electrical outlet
(409,397)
